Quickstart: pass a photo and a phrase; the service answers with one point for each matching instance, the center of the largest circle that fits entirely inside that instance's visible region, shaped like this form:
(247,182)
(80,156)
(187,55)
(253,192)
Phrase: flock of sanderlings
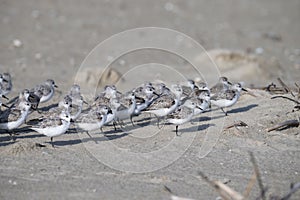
(176,104)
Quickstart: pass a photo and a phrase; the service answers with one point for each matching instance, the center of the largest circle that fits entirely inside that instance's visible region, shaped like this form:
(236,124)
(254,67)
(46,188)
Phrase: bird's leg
(91,137)
(12,134)
(131,120)
(224,112)
(158,120)
(51,139)
(114,123)
(88,134)
(176,130)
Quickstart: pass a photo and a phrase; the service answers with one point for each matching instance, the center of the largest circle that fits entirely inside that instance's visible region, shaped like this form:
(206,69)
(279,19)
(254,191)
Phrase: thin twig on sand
(235,124)
(225,192)
(294,188)
(258,177)
(174,197)
(284,86)
(284,125)
(284,97)
(250,186)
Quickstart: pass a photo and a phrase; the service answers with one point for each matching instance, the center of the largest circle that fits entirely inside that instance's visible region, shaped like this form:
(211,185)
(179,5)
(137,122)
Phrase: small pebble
(38,56)
(169,6)
(110,58)
(35,14)
(17,43)
(259,50)
(122,62)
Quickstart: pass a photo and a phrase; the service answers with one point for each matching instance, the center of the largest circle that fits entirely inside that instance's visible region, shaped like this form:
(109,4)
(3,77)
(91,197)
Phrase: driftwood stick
(293,100)
(285,87)
(286,124)
(258,176)
(250,186)
(225,192)
(294,189)
(235,124)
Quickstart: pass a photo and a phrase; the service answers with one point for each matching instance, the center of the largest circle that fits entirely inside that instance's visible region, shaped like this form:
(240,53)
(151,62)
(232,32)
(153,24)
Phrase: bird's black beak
(55,86)
(5,97)
(229,83)
(156,94)
(72,120)
(199,107)
(244,90)
(109,111)
(86,103)
(5,106)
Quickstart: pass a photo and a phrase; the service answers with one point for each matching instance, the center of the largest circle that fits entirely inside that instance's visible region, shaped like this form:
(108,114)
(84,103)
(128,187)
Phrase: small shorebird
(126,108)
(144,96)
(166,103)
(228,97)
(5,83)
(45,91)
(14,117)
(202,101)
(182,114)
(53,126)
(93,120)
(110,92)
(221,86)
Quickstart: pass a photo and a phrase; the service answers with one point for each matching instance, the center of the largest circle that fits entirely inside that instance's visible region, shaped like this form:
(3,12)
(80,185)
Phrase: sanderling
(127,107)
(74,91)
(202,101)
(182,114)
(166,103)
(64,105)
(221,86)
(53,126)
(159,88)
(94,119)
(28,96)
(45,91)
(5,83)
(12,118)
(144,97)
(187,90)
(114,105)
(1,104)
(228,97)
(110,91)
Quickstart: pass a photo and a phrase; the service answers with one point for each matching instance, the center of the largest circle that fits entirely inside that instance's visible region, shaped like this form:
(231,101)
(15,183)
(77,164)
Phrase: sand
(43,39)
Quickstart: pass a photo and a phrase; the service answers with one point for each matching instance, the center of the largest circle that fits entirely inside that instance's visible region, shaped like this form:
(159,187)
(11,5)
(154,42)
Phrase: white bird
(45,91)
(166,103)
(221,86)
(202,101)
(5,83)
(127,107)
(94,119)
(182,114)
(53,126)
(14,117)
(228,97)
(144,96)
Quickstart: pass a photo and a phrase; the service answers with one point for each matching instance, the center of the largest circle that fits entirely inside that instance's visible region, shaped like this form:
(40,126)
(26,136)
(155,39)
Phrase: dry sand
(57,35)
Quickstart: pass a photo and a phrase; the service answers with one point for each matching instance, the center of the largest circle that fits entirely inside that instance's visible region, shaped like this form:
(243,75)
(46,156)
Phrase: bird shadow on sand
(20,133)
(3,144)
(242,109)
(94,138)
(200,127)
(5,140)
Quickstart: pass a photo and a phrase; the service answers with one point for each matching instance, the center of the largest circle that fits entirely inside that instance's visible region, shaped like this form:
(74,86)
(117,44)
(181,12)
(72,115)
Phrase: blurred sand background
(251,41)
